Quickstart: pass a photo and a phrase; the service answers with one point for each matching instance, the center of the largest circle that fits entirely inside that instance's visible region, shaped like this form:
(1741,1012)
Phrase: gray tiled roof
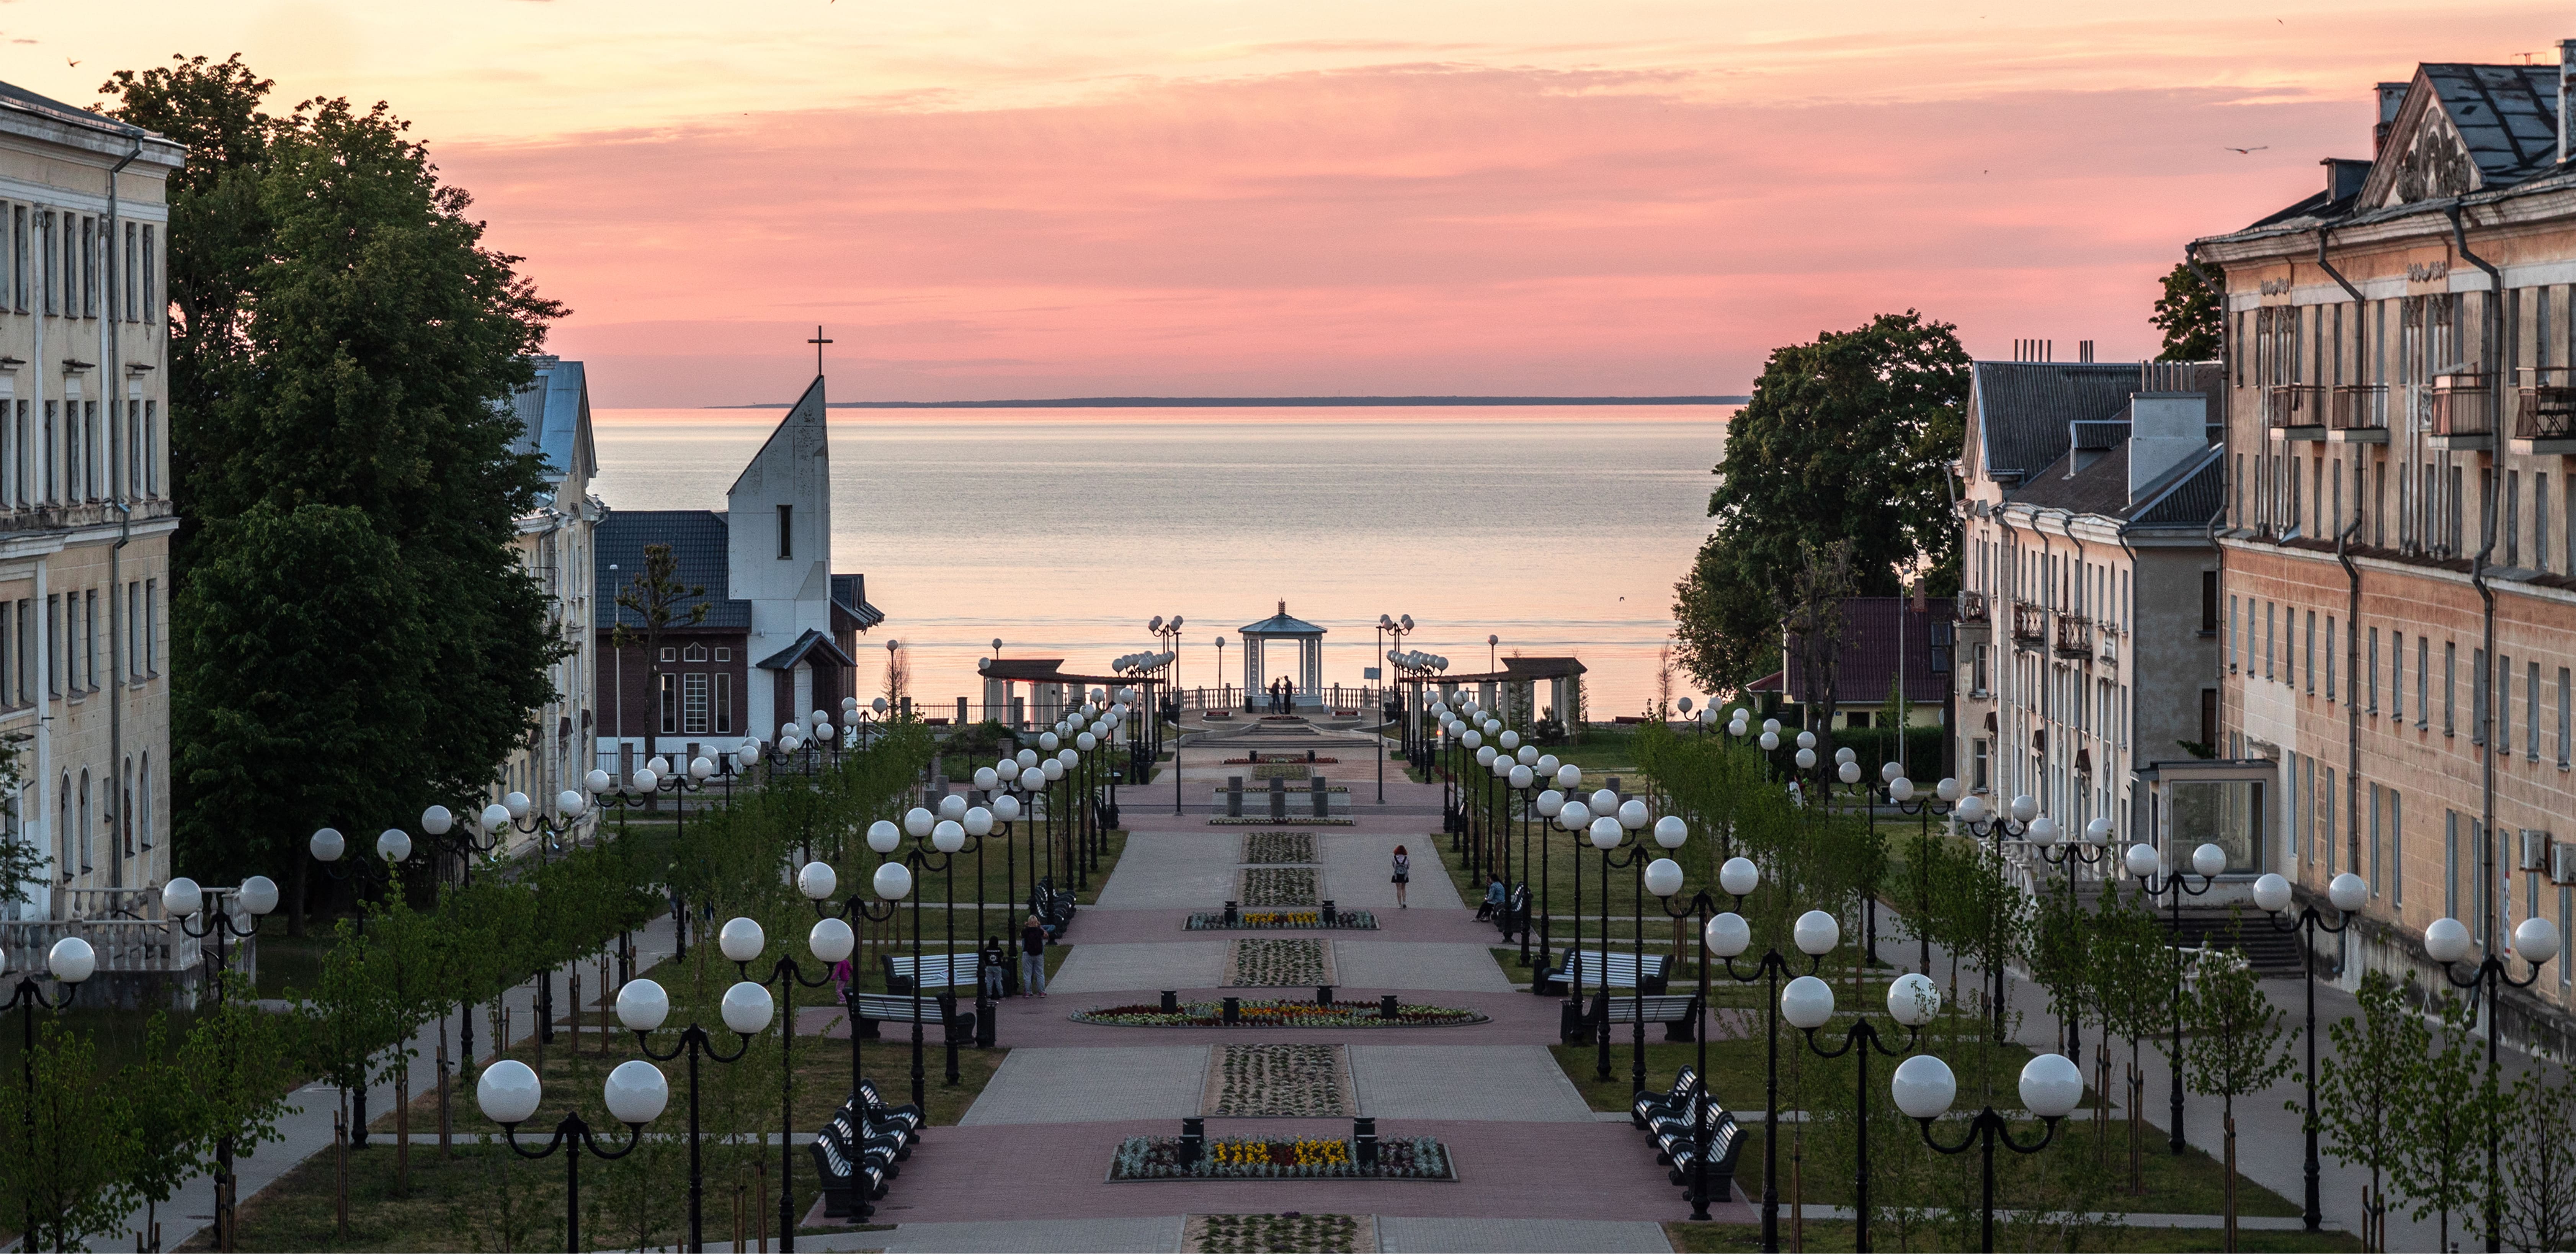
(550,411)
(697,540)
(2191,500)
(2185,497)
(2022,408)
(812,642)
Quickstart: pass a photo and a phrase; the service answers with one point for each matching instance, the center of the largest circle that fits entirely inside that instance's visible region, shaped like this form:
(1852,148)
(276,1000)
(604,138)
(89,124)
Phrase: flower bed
(1279,886)
(1276,1014)
(1281,963)
(1262,1234)
(1304,1158)
(1279,1082)
(1279,848)
(1249,821)
(1214,921)
(1296,758)
(1280,770)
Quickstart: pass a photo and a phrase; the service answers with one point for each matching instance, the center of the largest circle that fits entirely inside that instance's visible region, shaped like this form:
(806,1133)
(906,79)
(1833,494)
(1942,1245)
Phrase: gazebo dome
(1282,624)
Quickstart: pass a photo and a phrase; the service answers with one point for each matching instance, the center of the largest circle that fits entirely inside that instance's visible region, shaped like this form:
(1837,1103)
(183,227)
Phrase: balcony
(2074,636)
(1972,607)
(2544,412)
(2296,410)
(2360,414)
(2459,411)
(2030,623)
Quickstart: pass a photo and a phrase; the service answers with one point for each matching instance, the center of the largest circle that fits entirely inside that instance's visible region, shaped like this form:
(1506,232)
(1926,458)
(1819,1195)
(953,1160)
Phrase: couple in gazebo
(1283,696)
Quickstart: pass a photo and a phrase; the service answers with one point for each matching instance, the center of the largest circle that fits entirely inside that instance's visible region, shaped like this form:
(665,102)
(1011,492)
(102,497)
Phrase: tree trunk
(2231,1182)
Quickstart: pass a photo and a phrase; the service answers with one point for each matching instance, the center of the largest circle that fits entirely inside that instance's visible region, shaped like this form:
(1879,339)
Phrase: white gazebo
(1310,654)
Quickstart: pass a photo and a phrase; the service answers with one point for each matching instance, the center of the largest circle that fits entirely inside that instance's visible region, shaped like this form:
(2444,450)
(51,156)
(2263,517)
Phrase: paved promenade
(1027,1168)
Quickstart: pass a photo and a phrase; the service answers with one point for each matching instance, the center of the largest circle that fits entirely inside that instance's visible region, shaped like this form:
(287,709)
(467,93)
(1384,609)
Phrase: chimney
(2391,95)
(2166,429)
(2566,70)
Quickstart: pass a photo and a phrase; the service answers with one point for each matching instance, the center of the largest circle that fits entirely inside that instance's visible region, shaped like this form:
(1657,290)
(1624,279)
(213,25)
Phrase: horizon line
(1281,402)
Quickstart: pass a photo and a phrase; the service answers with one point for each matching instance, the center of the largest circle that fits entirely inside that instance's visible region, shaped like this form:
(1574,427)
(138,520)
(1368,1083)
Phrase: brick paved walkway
(1027,1167)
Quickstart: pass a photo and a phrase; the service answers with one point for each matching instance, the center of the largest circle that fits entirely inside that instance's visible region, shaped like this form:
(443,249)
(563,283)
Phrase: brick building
(2400,555)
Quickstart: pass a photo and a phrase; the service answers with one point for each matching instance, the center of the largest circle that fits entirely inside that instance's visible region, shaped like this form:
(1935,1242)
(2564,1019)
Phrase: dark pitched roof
(1280,624)
(1871,629)
(2189,500)
(2021,408)
(697,540)
(2507,115)
(2101,487)
(850,596)
(552,411)
(1517,669)
(813,644)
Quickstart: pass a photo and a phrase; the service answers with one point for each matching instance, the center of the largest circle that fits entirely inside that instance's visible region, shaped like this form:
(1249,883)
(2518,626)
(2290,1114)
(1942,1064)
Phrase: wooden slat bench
(1645,973)
(956,970)
(1679,1013)
(875,1008)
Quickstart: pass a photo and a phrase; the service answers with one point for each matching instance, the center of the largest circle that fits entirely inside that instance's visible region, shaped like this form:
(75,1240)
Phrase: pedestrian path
(1027,1166)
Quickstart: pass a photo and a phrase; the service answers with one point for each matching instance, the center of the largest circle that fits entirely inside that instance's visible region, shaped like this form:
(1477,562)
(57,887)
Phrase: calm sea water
(1559,530)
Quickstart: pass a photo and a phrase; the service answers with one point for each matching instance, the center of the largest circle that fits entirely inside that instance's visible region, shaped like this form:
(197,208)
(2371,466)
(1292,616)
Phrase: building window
(89,639)
(2396,848)
(2478,696)
(2270,638)
(669,703)
(54,643)
(2450,687)
(1978,771)
(2374,839)
(670,653)
(2540,521)
(786,531)
(2232,635)
(2209,602)
(693,703)
(2531,714)
(2374,670)
(2330,657)
(2423,680)
(2208,717)
(694,653)
(724,702)
(2563,711)
(152,626)
(2311,667)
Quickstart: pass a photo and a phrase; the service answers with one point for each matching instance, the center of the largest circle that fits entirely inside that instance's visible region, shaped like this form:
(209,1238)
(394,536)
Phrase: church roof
(697,540)
(811,643)
(554,419)
(808,410)
(850,596)
(1280,624)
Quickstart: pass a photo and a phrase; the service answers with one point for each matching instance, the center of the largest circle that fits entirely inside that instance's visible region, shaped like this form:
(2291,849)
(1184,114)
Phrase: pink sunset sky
(1031,198)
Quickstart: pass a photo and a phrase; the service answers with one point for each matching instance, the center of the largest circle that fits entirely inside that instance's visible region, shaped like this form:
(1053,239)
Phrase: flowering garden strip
(1214,921)
(1278,1234)
(1280,886)
(1276,1014)
(1265,1158)
(1267,822)
(1279,848)
(1279,770)
(1282,962)
(1279,1082)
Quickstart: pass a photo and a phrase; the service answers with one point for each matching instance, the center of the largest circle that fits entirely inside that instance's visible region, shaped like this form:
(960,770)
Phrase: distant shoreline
(1268,402)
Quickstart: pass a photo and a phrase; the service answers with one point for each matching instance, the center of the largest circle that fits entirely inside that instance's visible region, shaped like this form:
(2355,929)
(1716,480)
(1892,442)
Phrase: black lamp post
(183,901)
(1615,835)
(2447,942)
(740,941)
(1727,936)
(833,940)
(1664,885)
(636,1093)
(327,846)
(2272,894)
(2143,863)
(70,961)
(1979,819)
(2050,1086)
(1808,1003)
(642,1005)
(2092,849)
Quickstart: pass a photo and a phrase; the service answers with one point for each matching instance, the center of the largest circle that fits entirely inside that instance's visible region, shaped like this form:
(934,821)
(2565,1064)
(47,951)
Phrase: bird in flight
(2241,151)
(69,61)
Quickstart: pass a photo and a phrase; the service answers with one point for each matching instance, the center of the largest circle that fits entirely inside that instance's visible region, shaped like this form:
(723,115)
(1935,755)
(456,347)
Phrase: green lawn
(2190,1183)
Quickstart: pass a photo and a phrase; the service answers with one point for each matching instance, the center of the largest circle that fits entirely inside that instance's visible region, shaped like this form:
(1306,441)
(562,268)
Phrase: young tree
(1848,438)
(2131,953)
(2189,314)
(2235,1046)
(2540,1208)
(2441,1120)
(2363,1080)
(65,1154)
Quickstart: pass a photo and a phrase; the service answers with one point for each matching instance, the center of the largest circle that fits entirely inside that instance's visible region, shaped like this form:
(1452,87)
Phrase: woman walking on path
(1403,873)
(1033,943)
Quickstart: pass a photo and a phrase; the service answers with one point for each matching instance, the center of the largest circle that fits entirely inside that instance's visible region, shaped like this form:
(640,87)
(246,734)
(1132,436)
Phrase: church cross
(818,342)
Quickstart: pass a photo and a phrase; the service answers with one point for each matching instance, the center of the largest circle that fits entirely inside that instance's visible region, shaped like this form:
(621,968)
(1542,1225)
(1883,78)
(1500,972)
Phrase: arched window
(143,802)
(63,828)
(84,821)
(125,810)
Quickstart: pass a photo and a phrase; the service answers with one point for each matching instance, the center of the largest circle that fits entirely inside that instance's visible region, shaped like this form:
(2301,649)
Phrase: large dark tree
(2188,314)
(343,339)
(1849,439)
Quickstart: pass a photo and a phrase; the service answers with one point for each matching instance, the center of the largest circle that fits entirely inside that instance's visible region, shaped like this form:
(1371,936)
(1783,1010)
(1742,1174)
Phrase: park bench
(1652,1103)
(866,1142)
(1645,973)
(1680,1146)
(847,1185)
(935,971)
(1679,1013)
(905,1118)
(1053,908)
(872,1009)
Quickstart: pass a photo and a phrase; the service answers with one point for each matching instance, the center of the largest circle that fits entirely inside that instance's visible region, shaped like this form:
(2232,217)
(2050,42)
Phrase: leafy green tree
(1849,437)
(2190,316)
(2130,953)
(2235,1044)
(2362,1081)
(348,342)
(2441,1120)
(64,1155)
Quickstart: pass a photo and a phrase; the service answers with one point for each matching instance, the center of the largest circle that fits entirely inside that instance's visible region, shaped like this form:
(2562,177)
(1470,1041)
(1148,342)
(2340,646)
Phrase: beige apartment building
(2400,552)
(85,515)
(555,547)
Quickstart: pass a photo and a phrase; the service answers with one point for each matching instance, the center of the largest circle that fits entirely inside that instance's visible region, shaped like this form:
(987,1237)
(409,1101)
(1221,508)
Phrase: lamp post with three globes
(2535,941)
(1808,1003)
(642,1006)
(182,900)
(2143,863)
(1727,936)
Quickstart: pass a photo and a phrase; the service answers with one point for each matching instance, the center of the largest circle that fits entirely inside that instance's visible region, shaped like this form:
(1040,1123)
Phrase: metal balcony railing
(2030,622)
(2074,636)
(1972,607)
(2360,407)
(2545,403)
(2458,405)
(2295,405)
